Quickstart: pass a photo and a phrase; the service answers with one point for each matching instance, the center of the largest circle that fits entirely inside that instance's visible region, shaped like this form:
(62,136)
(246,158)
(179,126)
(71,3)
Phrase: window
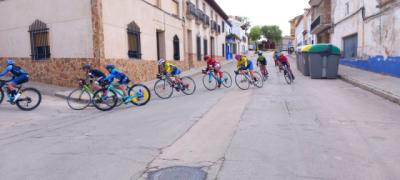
(177,54)
(175,8)
(223,50)
(205,47)
(39,34)
(198,48)
(134,49)
(347,9)
(223,27)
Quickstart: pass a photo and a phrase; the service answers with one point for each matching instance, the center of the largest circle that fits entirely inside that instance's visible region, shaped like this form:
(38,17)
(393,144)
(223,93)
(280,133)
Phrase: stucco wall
(116,17)
(377,35)
(69,24)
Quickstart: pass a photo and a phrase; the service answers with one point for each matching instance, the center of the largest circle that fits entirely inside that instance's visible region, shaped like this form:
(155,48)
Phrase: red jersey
(212,62)
(283,59)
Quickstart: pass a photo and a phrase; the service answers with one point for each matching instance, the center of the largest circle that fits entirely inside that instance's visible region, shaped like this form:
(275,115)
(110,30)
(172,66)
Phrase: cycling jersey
(116,74)
(213,63)
(19,75)
(95,73)
(262,60)
(171,69)
(283,59)
(245,64)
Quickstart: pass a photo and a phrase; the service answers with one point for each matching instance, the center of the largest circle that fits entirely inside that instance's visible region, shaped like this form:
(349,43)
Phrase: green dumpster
(324,61)
(305,63)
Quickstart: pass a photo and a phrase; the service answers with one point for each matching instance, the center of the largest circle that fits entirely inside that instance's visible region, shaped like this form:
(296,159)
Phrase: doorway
(160,45)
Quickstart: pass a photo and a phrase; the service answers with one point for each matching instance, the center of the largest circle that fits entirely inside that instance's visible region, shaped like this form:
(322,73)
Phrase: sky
(266,12)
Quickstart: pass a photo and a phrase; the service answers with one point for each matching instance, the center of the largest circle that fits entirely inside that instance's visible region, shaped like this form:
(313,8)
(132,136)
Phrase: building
(239,37)
(321,20)
(54,38)
(300,29)
(366,28)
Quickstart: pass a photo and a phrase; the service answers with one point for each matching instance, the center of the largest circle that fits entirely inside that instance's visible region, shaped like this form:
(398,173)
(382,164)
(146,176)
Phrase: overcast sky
(266,12)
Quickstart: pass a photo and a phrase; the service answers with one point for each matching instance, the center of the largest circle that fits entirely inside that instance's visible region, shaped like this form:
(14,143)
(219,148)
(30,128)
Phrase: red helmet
(207,57)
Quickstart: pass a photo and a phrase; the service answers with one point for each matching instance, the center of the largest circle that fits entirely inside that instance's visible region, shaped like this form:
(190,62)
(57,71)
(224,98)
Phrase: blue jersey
(116,74)
(16,71)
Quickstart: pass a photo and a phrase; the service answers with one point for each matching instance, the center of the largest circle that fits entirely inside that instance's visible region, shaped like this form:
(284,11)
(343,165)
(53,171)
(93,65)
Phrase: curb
(381,93)
(149,84)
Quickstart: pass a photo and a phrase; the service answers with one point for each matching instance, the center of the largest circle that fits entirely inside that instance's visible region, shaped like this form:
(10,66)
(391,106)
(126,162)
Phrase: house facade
(54,38)
(321,20)
(366,28)
(240,39)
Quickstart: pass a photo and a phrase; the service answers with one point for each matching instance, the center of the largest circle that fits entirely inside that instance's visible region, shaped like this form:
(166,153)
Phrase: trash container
(324,61)
(305,63)
(298,61)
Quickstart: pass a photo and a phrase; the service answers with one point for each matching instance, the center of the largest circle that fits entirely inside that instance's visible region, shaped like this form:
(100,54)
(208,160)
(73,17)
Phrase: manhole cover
(178,173)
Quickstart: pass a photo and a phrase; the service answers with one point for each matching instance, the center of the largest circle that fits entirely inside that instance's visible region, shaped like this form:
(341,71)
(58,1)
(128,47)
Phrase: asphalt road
(313,129)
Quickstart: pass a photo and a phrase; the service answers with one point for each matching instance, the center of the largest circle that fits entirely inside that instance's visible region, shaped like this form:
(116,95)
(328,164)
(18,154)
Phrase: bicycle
(165,86)
(25,98)
(244,80)
(211,80)
(287,74)
(107,98)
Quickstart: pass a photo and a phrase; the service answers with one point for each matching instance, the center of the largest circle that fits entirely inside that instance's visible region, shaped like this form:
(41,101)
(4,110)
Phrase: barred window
(177,53)
(39,34)
(134,48)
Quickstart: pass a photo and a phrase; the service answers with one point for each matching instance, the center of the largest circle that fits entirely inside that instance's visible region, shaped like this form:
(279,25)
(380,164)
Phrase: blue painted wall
(378,64)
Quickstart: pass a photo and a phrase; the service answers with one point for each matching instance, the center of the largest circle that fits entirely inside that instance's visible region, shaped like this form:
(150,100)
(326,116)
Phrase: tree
(255,33)
(272,33)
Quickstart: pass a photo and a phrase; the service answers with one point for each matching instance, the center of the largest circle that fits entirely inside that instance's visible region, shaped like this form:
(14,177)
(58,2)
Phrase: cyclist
(244,64)
(19,76)
(213,64)
(117,74)
(262,63)
(276,57)
(94,74)
(283,60)
(170,69)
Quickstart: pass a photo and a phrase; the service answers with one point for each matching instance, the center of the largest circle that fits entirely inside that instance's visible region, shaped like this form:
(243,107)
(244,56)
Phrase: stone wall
(60,71)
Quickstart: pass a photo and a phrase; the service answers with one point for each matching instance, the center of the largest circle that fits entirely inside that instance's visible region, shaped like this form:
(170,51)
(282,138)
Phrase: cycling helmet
(87,67)
(260,53)
(207,57)
(10,62)
(110,66)
(238,57)
(161,61)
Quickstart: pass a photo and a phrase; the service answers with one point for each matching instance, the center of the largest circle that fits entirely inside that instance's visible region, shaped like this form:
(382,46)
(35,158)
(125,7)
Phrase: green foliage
(255,33)
(273,33)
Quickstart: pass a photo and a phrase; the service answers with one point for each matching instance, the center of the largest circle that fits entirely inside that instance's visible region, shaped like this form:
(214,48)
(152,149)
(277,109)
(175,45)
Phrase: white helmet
(161,61)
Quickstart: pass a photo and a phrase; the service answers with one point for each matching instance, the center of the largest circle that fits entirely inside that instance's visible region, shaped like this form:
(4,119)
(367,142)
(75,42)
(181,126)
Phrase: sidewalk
(62,92)
(387,87)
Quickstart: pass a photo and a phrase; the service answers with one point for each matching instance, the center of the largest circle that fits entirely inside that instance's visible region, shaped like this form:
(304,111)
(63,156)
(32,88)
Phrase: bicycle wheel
(242,82)
(189,86)
(1,95)
(163,89)
(29,100)
(79,99)
(105,100)
(259,80)
(210,83)
(141,93)
(288,77)
(226,79)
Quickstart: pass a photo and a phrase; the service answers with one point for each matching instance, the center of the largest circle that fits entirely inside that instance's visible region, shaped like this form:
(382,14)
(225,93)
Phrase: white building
(52,39)
(366,28)
(241,45)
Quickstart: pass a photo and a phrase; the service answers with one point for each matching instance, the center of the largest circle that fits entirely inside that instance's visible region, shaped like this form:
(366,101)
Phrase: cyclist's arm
(8,69)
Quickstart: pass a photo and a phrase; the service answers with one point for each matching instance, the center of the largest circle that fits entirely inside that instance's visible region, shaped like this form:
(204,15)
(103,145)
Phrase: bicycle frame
(212,75)
(121,94)
(5,90)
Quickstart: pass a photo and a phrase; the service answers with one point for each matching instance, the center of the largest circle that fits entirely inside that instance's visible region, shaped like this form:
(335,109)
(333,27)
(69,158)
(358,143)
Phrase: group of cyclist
(20,76)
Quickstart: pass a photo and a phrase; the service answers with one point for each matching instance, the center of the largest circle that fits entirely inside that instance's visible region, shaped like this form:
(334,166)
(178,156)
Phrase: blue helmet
(10,62)
(110,66)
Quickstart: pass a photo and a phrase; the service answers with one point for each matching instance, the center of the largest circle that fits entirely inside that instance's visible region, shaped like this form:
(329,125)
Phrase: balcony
(191,10)
(320,24)
(199,16)
(206,21)
(214,26)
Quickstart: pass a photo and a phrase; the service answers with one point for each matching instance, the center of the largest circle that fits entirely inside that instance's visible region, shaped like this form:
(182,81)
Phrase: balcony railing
(199,16)
(316,23)
(206,21)
(191,10)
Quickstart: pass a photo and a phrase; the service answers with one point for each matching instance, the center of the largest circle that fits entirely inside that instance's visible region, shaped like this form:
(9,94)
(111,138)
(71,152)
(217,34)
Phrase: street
(312,129)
